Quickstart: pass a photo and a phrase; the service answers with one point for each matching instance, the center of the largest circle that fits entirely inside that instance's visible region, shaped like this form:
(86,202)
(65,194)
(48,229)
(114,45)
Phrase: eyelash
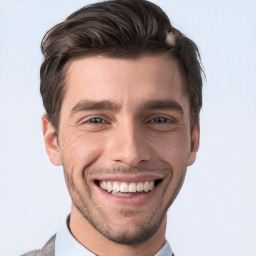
(166,120)
(90,121)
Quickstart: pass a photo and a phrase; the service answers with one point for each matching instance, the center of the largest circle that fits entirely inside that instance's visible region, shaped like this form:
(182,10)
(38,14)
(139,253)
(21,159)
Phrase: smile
(128,190)
(121,188)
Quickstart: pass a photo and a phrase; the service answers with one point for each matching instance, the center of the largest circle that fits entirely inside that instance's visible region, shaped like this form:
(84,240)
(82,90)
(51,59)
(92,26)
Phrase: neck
(94,241)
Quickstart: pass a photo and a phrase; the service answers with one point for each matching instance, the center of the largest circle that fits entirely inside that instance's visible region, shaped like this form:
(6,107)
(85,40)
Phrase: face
(124,141)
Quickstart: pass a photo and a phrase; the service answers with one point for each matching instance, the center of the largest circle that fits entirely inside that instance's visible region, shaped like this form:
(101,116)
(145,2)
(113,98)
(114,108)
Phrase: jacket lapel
(48,249)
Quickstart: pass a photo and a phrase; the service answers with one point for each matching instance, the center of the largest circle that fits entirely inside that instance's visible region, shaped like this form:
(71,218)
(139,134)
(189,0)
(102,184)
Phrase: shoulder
(47,250)
(32,253)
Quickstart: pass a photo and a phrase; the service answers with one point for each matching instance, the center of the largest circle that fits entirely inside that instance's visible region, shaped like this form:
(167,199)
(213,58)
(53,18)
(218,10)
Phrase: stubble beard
(144,231)
(98,220)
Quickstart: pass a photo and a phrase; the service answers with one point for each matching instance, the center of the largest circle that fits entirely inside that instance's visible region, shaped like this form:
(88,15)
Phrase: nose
(129,144)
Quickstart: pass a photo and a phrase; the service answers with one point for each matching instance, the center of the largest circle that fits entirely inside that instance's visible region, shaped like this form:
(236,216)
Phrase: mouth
(127,189)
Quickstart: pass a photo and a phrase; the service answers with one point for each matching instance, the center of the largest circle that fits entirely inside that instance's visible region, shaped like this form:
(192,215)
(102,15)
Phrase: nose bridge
(130,144)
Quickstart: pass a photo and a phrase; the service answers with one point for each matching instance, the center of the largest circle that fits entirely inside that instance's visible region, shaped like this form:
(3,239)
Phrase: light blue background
(215,213)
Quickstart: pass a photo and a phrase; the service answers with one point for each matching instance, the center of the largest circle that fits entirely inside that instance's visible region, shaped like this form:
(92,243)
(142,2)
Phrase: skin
(143,132)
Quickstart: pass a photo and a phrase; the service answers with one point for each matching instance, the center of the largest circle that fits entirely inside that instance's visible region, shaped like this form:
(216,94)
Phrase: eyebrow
(85,105)
(162,105)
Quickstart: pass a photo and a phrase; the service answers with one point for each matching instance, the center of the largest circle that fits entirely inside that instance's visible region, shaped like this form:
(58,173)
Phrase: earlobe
(195,139)
(50,141)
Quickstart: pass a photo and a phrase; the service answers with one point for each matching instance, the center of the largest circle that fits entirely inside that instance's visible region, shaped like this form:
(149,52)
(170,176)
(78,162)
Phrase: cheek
(173,148)
(79,151)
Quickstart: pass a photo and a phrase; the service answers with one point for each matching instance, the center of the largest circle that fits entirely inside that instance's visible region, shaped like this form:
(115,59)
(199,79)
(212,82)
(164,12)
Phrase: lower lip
(135,200)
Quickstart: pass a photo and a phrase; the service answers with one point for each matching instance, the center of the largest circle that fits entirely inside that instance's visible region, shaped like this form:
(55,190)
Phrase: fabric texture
(47,250)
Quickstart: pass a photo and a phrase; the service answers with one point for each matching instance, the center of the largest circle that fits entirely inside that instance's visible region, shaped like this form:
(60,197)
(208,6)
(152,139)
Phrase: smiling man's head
(122,90)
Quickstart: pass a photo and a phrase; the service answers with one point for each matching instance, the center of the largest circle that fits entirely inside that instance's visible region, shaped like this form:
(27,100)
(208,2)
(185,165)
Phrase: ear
(195,139)
(50,141)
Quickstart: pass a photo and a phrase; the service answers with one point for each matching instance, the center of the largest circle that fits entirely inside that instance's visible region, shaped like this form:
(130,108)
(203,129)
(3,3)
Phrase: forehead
(124,80)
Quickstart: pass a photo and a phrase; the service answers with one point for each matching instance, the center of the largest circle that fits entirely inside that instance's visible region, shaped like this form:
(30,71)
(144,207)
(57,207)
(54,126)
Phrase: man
(122,90)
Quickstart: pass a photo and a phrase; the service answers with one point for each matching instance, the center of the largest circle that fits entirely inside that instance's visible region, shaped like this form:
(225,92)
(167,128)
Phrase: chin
(128,228)
(131,236)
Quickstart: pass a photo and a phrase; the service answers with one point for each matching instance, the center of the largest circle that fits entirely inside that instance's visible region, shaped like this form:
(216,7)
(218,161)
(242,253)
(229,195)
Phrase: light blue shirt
(67,245)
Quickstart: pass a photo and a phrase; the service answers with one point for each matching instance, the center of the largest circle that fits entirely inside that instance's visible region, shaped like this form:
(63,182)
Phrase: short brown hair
(117,28)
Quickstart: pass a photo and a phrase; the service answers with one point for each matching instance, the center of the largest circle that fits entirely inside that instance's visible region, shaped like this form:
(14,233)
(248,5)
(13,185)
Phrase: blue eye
(96,120)
(160,120)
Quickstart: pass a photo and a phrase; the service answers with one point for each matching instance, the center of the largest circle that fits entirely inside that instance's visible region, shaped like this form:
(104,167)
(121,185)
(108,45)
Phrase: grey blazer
(47,250)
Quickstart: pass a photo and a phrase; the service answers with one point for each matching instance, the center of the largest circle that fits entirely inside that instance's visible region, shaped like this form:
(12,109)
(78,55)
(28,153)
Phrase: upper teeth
(118,186)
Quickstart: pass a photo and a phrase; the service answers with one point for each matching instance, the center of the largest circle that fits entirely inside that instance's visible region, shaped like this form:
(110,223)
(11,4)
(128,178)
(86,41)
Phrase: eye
(162,124)
(96,120)
(161,120)
(95,123)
